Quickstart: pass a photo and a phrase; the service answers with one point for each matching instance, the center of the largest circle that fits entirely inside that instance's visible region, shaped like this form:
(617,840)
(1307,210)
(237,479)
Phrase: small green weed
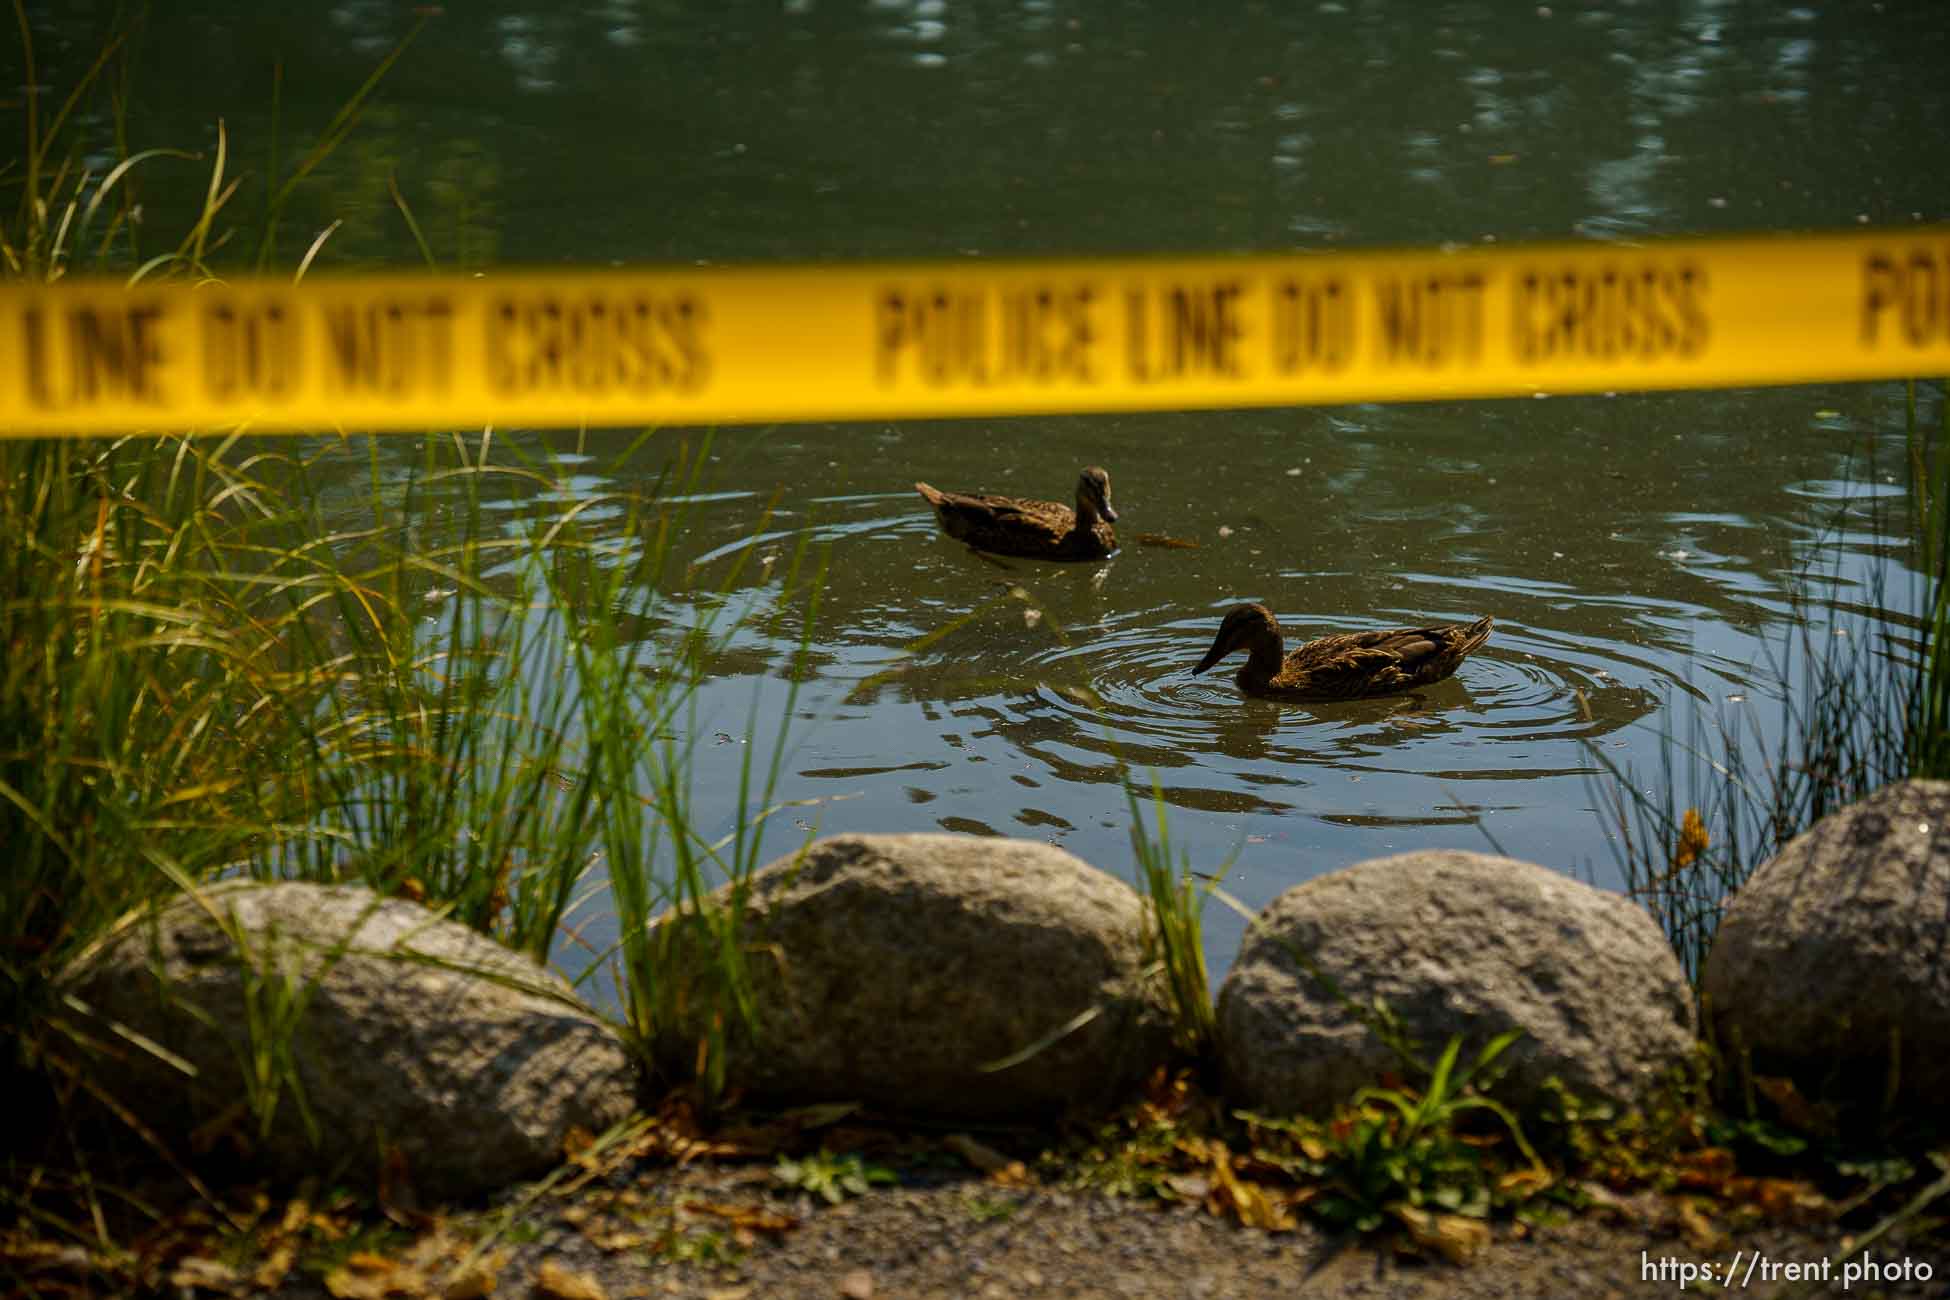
(832,1178)
(991,1209)
(1391,1148)
(708,1247)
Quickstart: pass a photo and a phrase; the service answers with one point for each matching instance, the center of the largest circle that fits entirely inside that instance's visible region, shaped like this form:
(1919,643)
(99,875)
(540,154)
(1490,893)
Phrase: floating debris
(1174,543)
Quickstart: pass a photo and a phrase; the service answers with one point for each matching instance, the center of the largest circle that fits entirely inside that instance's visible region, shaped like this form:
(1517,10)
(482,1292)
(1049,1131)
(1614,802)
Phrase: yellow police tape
(709,346)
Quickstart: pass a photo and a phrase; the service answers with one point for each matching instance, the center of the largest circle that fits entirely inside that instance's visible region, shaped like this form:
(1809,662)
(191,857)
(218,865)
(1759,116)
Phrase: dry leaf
(269,1274)
(1603,1198)
(199,1274)
(349,1283)
(1693,840)
(1706,1169)
(473,1282)
(751,1217)
(1248,1202)
(560,1283)
(1525,1182)
(1784,1200)
(1454,1237)
(1699,1230)
(577,1141)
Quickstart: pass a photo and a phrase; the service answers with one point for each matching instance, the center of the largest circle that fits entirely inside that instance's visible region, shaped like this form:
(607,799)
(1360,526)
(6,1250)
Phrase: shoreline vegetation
(213,675)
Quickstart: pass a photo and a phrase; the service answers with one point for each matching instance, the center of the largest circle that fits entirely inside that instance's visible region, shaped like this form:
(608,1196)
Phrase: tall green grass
(1174,939)
(215,662)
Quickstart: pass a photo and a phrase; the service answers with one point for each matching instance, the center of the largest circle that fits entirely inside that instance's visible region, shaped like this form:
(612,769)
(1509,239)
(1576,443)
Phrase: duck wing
(963,514)
(1363,663)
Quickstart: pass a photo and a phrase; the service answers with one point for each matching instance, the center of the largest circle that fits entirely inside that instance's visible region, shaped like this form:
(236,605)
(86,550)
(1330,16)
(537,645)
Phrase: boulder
(404,1030)
(1455,943)
(891,969)
(1838,948)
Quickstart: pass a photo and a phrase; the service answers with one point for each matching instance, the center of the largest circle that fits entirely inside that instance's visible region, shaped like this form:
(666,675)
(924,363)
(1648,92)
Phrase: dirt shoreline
(961,1236)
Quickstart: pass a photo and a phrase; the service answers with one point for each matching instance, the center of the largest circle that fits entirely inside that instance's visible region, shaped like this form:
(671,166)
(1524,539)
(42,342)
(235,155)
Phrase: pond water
(1639,552)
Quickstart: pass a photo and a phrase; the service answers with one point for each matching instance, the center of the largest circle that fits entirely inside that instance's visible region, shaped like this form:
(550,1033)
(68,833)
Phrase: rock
(889,968)
(1839,942)
(475,1082)
(1455,943)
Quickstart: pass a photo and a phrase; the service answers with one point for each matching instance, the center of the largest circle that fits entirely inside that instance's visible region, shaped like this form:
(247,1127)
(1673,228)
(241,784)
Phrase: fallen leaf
(199,1274)
(752,1217)
(1784,1200)
(1693,840)
(349,1283)
(1192,1187)
(1525,1182)
(560,1283)
(1699,1230)
(271,1272)
(1603,1198)
(1706,1169)
(577,1141)
(471,1283)
(1454,1237)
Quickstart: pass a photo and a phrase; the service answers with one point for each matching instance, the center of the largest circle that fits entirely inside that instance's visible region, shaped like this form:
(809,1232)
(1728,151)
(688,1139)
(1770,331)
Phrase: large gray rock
(890,968)
(423,1034)
(1456,943)
(1840,942)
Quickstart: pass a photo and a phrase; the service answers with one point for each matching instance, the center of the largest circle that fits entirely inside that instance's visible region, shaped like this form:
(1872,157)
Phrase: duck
(1037,530)
(1343,666)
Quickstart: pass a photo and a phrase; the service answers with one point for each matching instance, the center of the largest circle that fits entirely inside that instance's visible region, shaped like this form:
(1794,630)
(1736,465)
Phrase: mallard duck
(1342,666)
(1039,530)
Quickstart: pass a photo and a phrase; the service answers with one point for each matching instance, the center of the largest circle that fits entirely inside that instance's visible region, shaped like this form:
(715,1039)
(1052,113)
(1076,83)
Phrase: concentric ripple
(1525,702)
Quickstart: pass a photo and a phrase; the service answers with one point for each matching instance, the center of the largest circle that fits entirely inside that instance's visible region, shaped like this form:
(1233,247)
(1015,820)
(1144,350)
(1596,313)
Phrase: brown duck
(1342,666)
(1039,530)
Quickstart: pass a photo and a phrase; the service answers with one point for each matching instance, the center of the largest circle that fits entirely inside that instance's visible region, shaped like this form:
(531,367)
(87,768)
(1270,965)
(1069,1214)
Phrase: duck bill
(1212,656)
(1103,509)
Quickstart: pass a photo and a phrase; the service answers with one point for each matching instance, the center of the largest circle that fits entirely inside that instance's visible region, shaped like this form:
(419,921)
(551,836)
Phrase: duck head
(1093,488)
(1244,626)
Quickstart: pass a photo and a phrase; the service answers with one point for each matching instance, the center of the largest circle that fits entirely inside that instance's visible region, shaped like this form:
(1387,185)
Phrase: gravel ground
(963,1238)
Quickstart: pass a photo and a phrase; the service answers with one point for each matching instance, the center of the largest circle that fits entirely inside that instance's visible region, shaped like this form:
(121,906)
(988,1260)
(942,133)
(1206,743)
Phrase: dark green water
(1638,552)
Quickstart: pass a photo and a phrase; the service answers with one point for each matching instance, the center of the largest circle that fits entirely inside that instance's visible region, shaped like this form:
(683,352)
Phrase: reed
(454,686)
(1174,934)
